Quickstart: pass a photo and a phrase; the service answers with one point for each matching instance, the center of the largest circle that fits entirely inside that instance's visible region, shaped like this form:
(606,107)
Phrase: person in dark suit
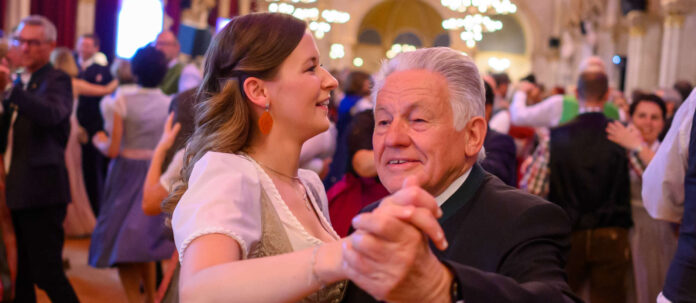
(500,148)
(34,131)
(496,243)
(92,69)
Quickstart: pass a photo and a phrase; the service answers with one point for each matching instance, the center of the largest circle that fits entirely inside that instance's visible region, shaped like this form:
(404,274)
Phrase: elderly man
(180,76)
(500,244)
(34,131)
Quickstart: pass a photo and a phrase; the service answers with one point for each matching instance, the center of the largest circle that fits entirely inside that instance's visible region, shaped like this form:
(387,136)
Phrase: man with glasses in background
(34,129)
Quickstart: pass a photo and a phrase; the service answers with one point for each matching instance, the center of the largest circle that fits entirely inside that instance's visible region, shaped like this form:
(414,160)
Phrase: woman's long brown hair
(251,45)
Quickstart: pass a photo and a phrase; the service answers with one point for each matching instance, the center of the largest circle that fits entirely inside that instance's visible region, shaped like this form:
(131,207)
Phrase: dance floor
(91,284)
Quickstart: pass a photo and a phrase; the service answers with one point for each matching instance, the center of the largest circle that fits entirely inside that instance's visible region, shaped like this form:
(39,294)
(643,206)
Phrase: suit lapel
(463,194)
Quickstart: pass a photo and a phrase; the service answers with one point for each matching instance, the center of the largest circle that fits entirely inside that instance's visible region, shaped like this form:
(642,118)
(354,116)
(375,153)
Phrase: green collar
(464,193)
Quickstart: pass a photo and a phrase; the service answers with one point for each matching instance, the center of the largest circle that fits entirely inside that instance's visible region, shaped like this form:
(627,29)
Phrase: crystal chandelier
(477,20)
(306,10)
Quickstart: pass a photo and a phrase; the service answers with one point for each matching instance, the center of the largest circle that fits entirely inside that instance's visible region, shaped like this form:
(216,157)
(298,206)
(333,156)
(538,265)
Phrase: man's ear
(475,130)
(255,90)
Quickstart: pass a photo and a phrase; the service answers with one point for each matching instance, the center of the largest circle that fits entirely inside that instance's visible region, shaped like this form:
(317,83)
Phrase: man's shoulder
(502,197)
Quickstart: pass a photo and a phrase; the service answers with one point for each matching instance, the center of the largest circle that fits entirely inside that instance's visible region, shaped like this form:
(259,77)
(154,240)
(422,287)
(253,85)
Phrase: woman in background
(653,242)
(125,237)
(79,220)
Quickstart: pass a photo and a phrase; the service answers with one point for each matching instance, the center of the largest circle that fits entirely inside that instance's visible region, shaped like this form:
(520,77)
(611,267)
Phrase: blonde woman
(79,220)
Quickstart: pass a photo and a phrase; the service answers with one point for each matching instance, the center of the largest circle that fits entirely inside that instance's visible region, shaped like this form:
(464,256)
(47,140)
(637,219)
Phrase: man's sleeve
(49,107)
(663,179)
(533,269)
(535,178)
(546,113)
(190,77)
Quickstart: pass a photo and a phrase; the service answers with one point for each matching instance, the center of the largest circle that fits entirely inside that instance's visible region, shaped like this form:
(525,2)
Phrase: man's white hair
(50,33)
(463,79)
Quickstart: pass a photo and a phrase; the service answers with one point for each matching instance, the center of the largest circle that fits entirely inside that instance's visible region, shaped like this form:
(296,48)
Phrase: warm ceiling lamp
(477,20)
(319,20)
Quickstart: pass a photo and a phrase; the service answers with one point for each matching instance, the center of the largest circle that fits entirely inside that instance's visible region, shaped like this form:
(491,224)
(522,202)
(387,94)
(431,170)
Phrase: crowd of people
(265,177)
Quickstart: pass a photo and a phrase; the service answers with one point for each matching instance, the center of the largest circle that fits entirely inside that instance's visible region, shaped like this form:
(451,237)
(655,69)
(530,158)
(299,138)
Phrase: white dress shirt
(546,113)
(190,75)
(663,179)
(442,198)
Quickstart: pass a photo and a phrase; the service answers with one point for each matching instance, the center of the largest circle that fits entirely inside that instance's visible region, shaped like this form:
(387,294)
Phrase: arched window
(408,38)
(139,22)
(370,36)
(442,40)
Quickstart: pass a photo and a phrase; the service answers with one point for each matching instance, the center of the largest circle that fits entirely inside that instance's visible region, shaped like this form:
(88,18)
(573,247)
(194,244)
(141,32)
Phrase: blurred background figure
(360,185)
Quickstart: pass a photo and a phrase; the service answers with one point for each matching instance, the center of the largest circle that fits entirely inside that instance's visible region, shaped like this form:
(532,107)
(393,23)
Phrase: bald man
(556,109)
(180,76)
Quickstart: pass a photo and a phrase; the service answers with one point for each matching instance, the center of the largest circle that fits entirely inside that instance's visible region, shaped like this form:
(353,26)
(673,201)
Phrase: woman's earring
(266,121)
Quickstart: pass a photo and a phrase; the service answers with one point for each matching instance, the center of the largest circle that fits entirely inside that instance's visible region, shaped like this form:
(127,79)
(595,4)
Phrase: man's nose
(397,134)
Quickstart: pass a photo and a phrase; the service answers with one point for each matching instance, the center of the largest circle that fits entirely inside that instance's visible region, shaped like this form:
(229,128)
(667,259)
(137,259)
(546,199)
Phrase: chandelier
(306,10)
(477,20)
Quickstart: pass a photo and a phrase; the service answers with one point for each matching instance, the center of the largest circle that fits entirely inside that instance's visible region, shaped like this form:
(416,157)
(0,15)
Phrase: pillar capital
(637,21)
(678,7)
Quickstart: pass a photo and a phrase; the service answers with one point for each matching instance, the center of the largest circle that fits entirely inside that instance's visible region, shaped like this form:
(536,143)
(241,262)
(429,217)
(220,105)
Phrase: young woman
(125,237)
(80,219)
(245,216)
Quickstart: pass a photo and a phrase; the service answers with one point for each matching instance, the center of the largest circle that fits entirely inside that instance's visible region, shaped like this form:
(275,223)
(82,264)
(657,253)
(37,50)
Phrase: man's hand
(388,256)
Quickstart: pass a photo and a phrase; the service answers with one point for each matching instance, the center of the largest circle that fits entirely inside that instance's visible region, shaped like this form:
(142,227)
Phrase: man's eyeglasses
(31,42)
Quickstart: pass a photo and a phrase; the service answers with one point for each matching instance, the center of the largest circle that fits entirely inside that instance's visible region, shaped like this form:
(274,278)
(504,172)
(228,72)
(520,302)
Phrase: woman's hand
(169,134)
(100,138)
(627,136)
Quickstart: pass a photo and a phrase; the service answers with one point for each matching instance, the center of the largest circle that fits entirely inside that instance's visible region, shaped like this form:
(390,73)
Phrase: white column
(643,55)
(16,10)
(673,53)
(244,7)
(85,17)
(224,8)
(670,49)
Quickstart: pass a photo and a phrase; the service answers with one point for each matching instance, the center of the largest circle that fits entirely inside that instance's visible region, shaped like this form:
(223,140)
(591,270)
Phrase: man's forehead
(412,85)
(166,37)
(30,30)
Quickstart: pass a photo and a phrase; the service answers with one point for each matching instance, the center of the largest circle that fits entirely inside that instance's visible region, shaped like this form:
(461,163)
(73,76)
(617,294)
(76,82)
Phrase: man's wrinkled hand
(388,256)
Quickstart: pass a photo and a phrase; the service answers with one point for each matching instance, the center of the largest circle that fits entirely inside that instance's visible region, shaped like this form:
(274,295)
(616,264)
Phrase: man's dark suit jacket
(88,111)
(38,176)
(501,158)
(505,245)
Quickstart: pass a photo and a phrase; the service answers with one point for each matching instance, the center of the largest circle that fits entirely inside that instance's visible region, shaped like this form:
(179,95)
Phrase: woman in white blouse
(242,196)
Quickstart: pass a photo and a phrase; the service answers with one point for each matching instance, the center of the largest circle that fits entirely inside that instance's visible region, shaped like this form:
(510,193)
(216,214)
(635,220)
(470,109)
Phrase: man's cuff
(455,287)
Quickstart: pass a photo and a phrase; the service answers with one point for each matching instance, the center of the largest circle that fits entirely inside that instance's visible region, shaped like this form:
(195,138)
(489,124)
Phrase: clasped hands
(388,254)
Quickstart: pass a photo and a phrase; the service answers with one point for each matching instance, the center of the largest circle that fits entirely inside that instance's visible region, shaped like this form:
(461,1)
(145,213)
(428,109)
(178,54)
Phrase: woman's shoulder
(308,175)
(227,163)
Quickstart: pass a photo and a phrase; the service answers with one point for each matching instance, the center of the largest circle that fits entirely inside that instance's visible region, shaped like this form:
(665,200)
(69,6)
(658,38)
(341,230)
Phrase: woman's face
(299,94)
(648,119)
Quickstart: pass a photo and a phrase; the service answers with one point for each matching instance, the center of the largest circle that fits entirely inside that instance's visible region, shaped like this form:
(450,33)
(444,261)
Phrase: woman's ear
(255,90)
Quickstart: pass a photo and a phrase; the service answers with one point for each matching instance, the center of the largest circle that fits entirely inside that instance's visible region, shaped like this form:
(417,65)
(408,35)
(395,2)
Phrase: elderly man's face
(414,132)
(166,43)
(34,49)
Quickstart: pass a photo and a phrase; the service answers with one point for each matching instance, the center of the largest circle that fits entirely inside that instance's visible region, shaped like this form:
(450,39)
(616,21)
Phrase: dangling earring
(266,121)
